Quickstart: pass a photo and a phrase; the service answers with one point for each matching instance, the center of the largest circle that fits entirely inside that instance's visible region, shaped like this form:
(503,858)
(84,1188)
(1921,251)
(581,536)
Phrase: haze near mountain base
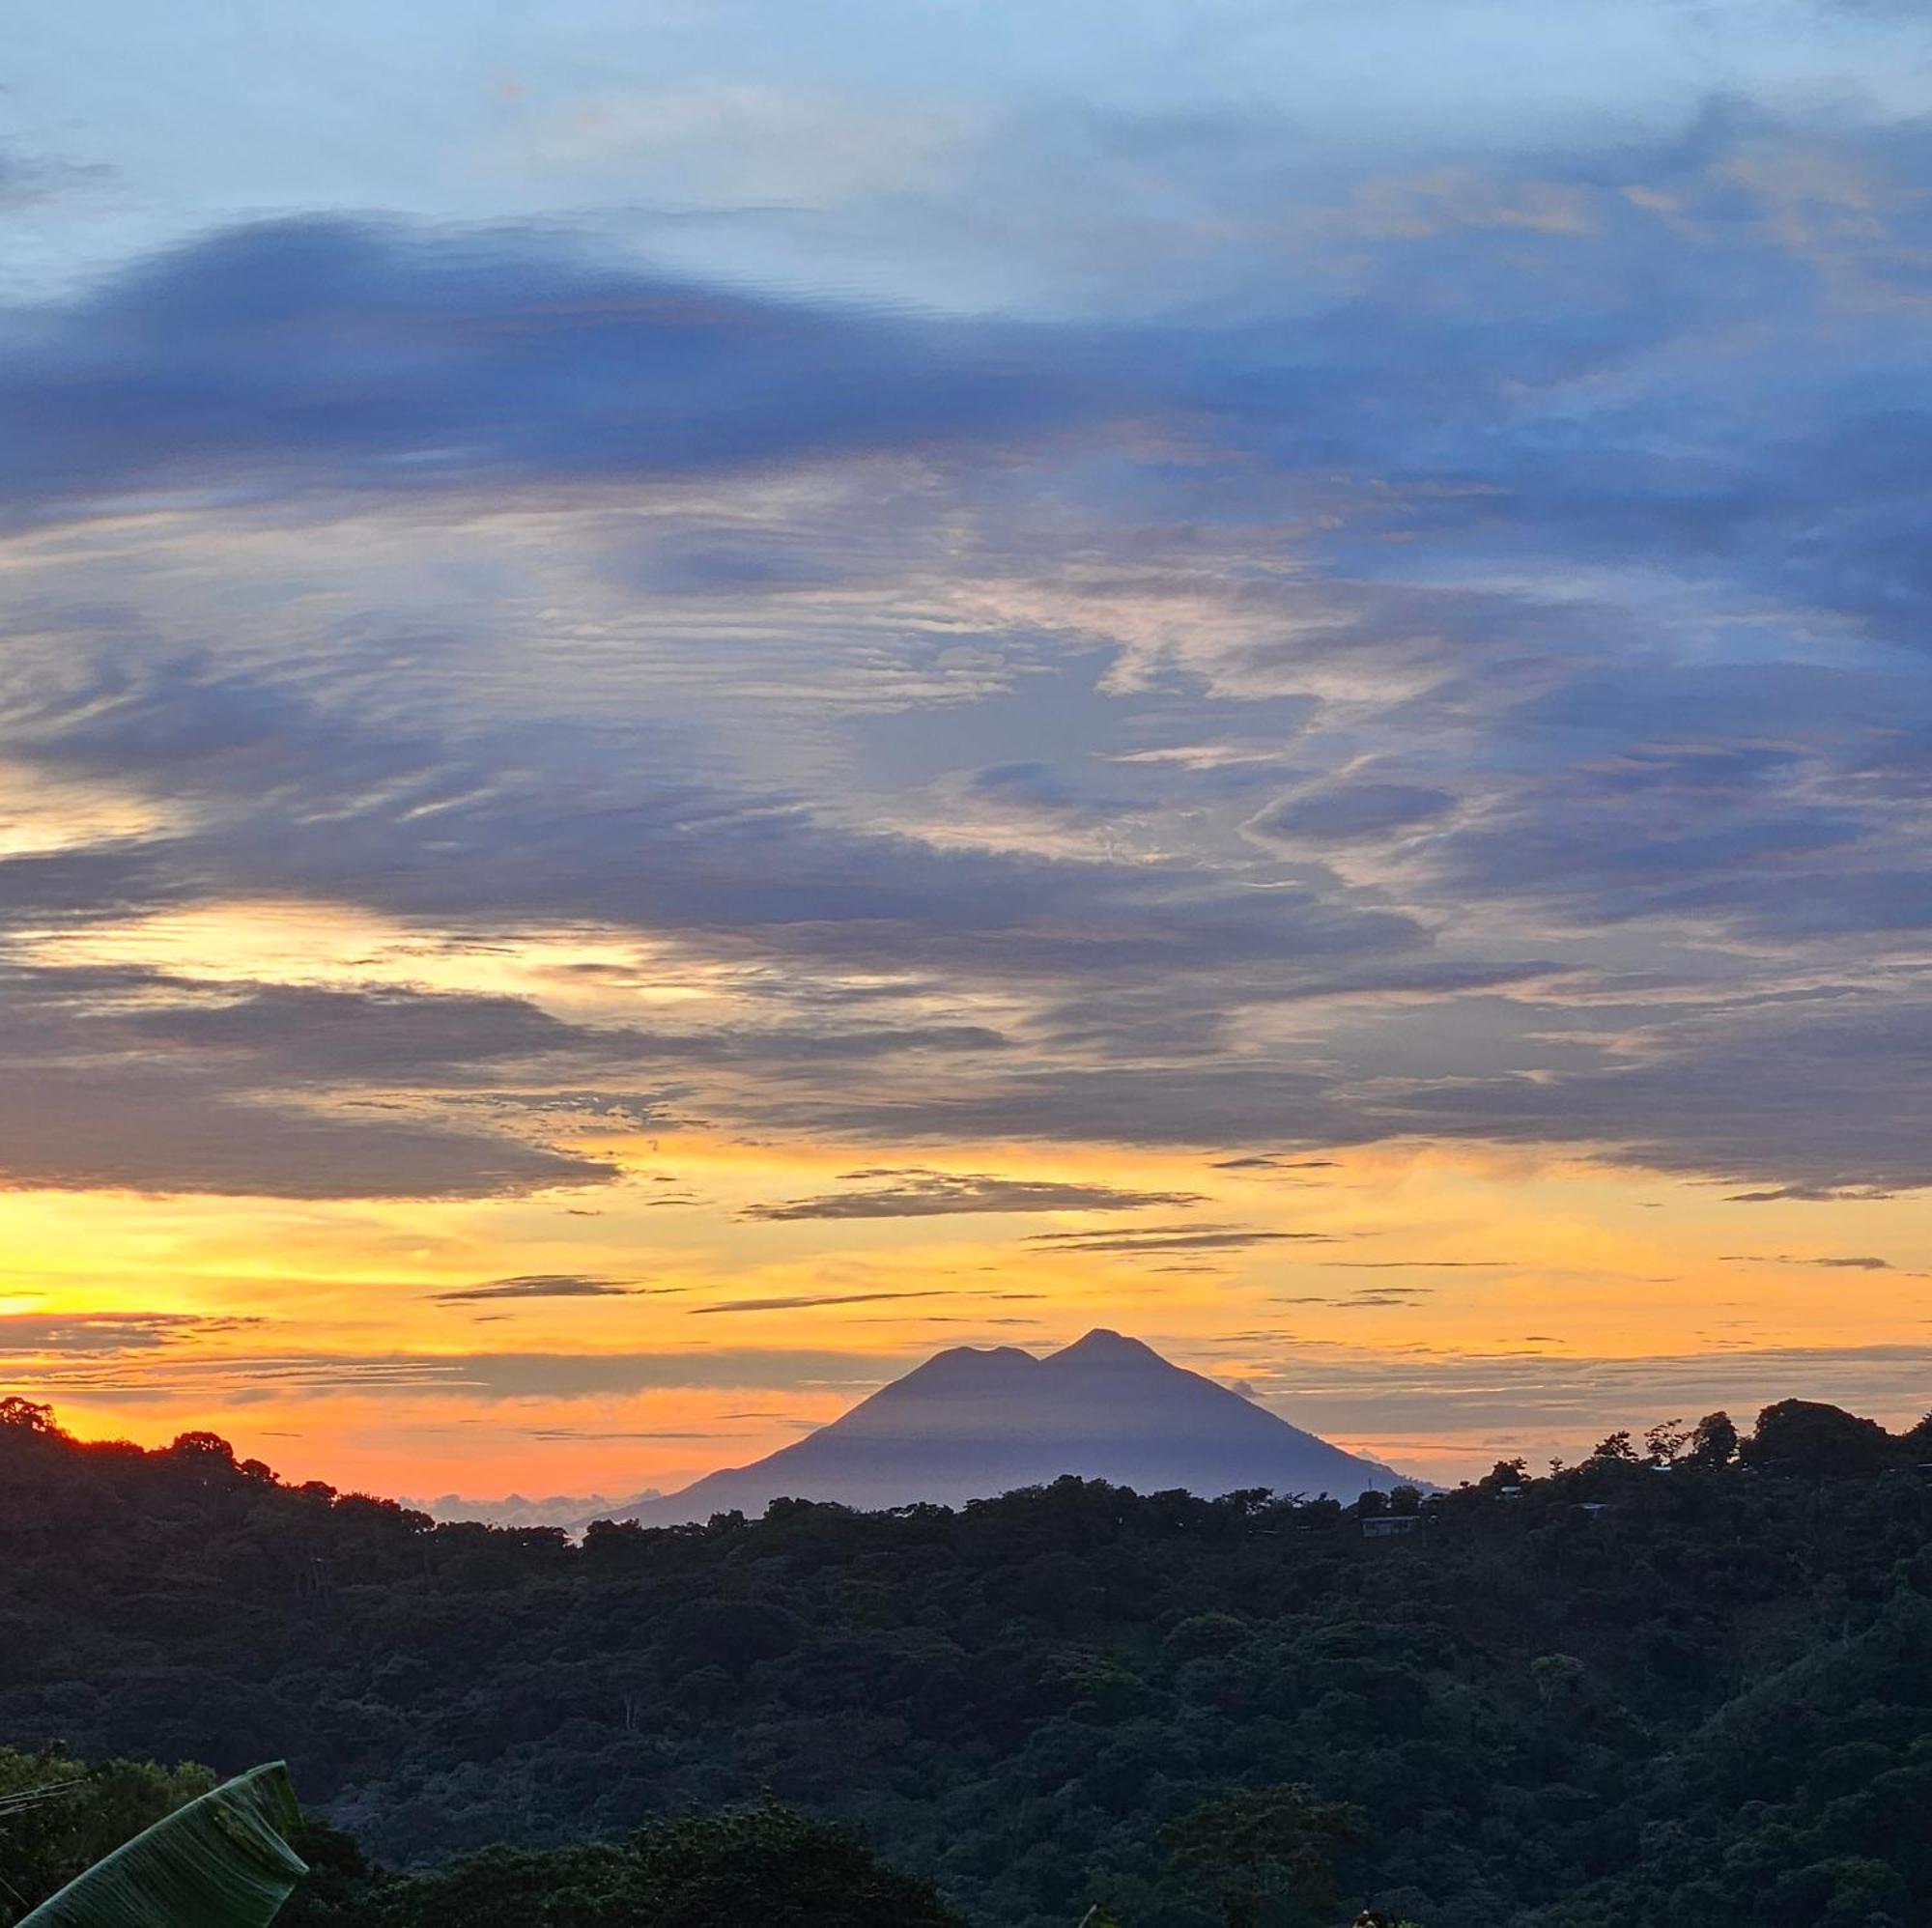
(971,1423)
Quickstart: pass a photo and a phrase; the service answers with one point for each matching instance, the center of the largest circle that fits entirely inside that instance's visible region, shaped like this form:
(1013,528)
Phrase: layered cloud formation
(1658,768)
(972,628)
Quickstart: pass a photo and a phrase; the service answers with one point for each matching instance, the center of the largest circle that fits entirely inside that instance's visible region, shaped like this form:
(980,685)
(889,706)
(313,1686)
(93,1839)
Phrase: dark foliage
(59,1816)
(1266,1854)
(765,1866)
(1681,1686)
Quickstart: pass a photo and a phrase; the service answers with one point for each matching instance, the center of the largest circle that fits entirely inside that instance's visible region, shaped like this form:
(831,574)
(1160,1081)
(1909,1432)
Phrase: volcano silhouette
(974,1422)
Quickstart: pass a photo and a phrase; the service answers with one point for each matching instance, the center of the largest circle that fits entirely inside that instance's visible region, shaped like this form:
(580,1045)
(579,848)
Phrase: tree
(1616,1447)
(767,1866)
(1266,1854)
(729,1633)
(340,1888)
(1805,1438)
(1714,1441)
(1560,1679)
(28,1415)
(1666,1440)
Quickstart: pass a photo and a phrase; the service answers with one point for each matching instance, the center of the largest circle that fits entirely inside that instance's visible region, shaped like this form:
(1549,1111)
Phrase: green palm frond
(221,1861)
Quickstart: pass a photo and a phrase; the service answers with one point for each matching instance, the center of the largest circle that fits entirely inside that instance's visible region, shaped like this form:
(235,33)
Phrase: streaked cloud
(806,1301)
(915,1191)
(1837,1264)
(1348,811)
(540,1285)
(1156,1242)
(26,1336)
(1261,1162)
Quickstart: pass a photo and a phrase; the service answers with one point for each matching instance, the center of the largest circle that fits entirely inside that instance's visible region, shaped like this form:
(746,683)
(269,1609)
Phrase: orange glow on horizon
(269,1315)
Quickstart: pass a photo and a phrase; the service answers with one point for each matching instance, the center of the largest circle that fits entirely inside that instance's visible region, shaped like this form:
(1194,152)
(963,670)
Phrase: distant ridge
(516,1510)
(974,1422)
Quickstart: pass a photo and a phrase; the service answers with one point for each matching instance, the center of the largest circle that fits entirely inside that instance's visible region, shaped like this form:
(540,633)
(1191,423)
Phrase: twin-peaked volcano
(972,1423)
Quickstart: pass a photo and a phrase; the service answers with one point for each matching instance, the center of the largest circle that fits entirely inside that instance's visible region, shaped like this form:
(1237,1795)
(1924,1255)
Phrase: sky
(696,695)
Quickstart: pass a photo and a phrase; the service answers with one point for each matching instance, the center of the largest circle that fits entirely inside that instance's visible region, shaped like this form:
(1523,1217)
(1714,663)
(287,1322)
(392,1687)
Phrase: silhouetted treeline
(1688,1679)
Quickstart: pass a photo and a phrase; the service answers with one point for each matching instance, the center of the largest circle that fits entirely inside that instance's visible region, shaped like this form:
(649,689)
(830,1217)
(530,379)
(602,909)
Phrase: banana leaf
(221,1861)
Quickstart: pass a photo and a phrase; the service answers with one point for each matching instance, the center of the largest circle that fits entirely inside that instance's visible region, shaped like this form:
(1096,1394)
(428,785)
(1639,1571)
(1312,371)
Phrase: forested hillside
(1681,1681)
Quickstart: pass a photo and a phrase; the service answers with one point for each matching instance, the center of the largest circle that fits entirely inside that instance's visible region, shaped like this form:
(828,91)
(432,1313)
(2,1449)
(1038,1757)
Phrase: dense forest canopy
(1689,1678)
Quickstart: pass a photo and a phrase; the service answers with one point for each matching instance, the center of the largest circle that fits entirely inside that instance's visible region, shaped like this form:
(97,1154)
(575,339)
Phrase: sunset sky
(699,695)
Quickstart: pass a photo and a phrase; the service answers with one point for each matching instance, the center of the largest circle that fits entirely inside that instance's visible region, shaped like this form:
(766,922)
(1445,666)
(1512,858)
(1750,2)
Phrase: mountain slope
(972,1423)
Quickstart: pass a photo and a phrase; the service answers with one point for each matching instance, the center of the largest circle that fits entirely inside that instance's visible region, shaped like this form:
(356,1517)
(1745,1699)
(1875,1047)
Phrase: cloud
(1685,829)
(28,178)
(126,1080)
(1537,1399)
(156,1374)
(961,1318)
(577,595)
(554,824)
(1732,1094)
(731,145)
(1039,792)
(1348,811)
(804,1300)
(1380,1296)
(1156,1242)
(301,1034)
(1810,1195)
(26,1336)
(146,1129)
(1417,1264)
(315,352)
(1261,1162)
(1788,1259)
(918,1192)
(1230,633)
(540,1285)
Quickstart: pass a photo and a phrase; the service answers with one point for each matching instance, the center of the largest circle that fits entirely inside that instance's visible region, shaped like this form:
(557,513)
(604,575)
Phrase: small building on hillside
(1387,1526)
